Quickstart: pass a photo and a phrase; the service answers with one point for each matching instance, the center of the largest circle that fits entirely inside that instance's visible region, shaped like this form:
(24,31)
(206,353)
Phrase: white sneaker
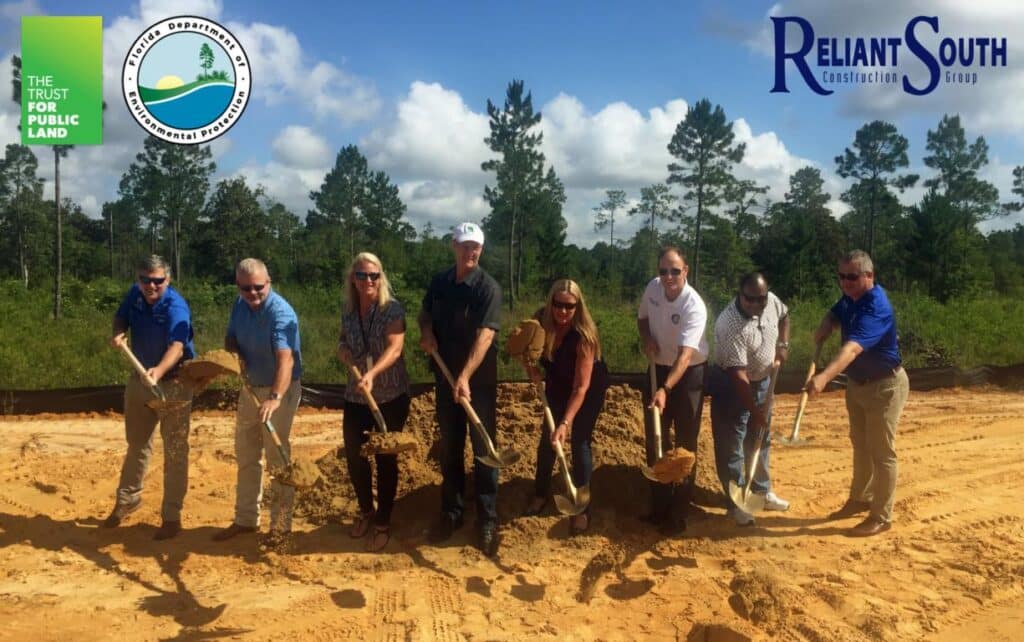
(774,502)
(741,517)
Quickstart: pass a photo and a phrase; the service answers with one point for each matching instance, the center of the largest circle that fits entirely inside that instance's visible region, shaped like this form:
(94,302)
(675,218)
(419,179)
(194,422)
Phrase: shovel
(381,441)
(492,458)
(794,439)
(160,405)
(299,474)
(648,471)
(579,498)
(742,497)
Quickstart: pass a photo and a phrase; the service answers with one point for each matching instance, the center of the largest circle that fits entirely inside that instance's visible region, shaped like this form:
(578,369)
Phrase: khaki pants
(251,442)
(139,422)
(875,410)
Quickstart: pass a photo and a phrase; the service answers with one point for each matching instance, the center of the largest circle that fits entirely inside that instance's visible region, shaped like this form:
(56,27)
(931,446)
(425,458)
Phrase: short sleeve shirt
(871,323)
(749,342)
(367,338)
(261,333)
(457,311)
(155,327)
(675,323)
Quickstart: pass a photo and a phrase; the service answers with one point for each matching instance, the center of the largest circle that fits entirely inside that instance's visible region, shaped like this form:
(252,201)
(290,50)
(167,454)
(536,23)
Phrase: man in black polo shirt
(459,319)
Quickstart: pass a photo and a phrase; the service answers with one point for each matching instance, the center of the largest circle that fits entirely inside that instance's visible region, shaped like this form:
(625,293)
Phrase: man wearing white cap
(460,317)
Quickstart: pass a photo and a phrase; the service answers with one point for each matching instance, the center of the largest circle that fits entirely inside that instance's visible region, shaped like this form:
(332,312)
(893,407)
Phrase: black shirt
(457,311)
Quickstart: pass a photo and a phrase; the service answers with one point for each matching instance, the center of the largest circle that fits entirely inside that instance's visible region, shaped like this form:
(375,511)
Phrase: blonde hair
(384,294)
(251,267)
(582,322)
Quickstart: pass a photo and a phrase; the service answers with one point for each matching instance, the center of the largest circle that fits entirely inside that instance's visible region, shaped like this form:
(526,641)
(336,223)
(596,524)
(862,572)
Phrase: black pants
(680,426)
(453,423)
(356,421)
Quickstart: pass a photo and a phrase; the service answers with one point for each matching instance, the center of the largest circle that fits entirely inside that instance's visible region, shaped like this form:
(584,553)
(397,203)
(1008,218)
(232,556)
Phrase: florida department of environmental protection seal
(186,80)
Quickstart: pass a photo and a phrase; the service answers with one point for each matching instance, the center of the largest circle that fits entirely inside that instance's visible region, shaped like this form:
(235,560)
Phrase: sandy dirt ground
(951,568)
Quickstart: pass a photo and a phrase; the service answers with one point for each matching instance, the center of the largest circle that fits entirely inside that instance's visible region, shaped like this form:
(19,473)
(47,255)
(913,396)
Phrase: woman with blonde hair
(372,337)
(575,379)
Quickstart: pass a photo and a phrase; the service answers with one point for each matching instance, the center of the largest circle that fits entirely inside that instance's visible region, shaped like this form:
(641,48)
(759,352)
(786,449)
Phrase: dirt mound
(760,597)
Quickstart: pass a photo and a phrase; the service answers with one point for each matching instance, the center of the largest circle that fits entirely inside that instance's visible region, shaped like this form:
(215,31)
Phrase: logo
(675,319)
(873,60)
(186,80)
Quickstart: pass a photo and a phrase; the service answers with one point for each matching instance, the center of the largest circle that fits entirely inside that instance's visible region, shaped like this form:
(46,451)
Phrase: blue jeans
(579,439)
(453,423)
(734,444)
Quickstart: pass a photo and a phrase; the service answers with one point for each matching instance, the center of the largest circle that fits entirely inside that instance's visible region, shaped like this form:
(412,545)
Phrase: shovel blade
(566,506)
(490,461)
(509,457)
(649,473)
(796,441)
(747,501)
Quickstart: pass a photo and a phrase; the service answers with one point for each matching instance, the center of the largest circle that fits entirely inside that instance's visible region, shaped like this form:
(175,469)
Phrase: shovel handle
(804,396)
(655,412)
(139,368)
(370,401)
(767,405)
(269,426)
(565,469)
(473,417)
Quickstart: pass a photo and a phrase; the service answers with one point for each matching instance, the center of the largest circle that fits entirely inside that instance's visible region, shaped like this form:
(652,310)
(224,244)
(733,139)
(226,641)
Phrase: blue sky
(408,82)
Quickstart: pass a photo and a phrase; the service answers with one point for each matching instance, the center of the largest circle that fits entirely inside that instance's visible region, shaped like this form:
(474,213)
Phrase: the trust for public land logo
(916,62)
(186,80)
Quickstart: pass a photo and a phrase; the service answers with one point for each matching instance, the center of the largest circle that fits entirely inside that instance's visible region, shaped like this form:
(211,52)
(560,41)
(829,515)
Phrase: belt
(888,374)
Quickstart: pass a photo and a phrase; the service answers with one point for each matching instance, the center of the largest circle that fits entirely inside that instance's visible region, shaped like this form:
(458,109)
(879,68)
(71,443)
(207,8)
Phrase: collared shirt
(457,311)
(749,342)
(260,333)
(369,339)
(155,327)
(870,323)
(675,324)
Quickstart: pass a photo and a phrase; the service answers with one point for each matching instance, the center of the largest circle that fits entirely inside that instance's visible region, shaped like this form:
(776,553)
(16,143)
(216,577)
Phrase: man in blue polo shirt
(264,331)
(161,338)
(876,391)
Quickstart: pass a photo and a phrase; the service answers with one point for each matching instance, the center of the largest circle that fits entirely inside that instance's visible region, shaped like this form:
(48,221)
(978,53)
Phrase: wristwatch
(274,396)
(782,344)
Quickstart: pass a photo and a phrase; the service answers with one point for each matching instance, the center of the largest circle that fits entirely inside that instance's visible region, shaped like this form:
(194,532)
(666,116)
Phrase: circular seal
(675,319)
(186,80)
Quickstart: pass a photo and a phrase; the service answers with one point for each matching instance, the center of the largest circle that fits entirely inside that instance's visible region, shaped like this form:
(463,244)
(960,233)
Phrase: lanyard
(362,332)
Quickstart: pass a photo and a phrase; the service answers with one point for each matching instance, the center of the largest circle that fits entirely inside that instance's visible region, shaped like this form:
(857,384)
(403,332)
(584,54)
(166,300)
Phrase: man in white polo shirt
(751,334)
(671,320)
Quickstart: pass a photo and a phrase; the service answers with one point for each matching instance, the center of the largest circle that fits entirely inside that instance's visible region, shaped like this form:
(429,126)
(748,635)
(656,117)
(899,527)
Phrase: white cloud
(434,134)
(299,147)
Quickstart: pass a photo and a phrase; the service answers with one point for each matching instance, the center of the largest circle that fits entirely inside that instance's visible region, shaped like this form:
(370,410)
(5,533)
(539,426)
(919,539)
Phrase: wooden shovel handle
(141,369)
(473,417)
(370,401)
(655,413)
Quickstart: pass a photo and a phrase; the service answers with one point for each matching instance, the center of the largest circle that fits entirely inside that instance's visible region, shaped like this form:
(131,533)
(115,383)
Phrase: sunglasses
(152,280)
(362,276)
(851,276)
(562,305)
(672,271)
(255,287)
(756,298)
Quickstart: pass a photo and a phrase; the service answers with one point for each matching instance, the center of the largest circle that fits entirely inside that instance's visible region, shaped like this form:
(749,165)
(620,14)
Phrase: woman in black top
(372,336)
(575,380)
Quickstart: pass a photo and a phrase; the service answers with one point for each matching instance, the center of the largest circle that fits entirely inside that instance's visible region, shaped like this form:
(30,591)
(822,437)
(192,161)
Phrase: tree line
(167,204)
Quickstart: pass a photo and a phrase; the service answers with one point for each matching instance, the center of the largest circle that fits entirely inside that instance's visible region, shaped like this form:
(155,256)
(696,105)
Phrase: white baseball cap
(468,232)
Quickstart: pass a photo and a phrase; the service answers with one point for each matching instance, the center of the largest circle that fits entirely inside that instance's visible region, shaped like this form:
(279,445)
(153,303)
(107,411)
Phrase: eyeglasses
(672,271)
(851,276)
(754,298)
(152,280)
(562,305)
(362,276)
(255,287)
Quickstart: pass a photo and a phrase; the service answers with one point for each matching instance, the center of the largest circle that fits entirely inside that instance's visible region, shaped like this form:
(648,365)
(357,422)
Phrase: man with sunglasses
(671,321)
(876,391)
(461,315)
(160,324)
(264,331)
(751,335)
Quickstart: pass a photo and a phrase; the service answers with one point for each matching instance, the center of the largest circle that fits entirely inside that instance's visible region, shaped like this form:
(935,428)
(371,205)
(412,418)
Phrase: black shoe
(536,506)
(850,508)
(120,512)
(444,528)
(225,534)
(672,526)
(489,539)
(167,530)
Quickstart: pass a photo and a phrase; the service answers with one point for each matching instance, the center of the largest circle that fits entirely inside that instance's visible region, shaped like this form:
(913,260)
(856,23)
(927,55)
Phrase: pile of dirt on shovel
(618,451)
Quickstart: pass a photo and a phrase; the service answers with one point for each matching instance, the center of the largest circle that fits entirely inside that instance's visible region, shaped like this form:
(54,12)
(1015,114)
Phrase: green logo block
(61,80)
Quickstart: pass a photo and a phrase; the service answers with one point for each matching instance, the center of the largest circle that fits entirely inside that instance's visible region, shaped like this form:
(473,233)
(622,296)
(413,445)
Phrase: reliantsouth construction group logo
(930,56)
(186,80)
